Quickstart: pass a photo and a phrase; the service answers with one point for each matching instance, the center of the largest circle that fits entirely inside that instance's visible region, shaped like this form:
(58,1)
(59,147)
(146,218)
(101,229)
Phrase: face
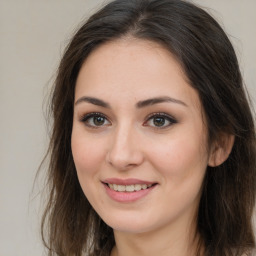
(139,140)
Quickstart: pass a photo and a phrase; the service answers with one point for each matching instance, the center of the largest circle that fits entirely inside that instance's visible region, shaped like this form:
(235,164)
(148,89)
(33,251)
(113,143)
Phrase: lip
(127,181)
(127,197)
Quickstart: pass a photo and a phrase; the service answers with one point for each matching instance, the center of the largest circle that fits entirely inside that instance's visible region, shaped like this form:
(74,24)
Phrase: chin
(128,228)
(129,224)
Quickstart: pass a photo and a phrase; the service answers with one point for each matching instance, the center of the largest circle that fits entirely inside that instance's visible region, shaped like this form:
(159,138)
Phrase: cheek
(181,164)
(87,154)
(180,157)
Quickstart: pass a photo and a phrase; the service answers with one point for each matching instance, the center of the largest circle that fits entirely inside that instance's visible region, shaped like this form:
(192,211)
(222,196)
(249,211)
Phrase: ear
(221,149)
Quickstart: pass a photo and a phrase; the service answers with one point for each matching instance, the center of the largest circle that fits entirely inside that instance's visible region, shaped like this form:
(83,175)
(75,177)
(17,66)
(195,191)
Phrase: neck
(176,241)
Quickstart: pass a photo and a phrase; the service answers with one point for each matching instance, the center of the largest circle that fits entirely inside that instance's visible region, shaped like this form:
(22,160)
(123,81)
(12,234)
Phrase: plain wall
(33,35)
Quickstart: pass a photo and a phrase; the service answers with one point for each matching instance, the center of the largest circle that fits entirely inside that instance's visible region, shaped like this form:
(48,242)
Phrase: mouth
(129,188)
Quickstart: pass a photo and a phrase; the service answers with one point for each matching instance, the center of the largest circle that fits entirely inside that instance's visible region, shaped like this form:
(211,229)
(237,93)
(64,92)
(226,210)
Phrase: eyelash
(165,117)
(85,119)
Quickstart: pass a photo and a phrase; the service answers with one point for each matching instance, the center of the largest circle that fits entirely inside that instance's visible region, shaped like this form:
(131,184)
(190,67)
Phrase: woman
(153,143)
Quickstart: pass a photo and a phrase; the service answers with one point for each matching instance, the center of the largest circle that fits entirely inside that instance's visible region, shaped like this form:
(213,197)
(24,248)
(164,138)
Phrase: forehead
(130,54)
(134,68)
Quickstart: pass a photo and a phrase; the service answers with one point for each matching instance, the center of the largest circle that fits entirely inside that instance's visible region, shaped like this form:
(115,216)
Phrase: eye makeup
(159,120)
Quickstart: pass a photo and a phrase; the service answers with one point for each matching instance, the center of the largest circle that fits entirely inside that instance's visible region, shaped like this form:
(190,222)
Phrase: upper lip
(127,181)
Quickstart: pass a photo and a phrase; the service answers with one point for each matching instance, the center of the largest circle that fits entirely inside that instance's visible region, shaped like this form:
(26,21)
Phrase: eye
(160,120)
(95,120)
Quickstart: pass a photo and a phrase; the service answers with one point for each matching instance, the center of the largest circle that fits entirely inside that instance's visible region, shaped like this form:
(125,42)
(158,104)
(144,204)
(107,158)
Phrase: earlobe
(221,149)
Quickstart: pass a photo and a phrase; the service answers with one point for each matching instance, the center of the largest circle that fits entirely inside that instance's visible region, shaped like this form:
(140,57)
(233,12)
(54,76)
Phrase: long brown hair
(70,226)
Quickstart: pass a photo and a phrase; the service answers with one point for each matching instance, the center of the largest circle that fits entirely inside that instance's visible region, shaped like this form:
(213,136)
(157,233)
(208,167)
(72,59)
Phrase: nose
(125,150)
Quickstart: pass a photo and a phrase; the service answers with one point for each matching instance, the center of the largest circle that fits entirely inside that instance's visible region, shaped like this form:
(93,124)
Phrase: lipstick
(127,190)
(127,181)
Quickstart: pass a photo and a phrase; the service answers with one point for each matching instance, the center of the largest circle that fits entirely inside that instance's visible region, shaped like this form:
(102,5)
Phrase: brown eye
(98,120)
(95,120)
(160,120)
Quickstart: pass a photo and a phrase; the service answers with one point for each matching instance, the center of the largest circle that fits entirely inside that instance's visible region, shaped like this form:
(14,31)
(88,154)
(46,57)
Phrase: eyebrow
(93,101)
(152,101)
(140,104)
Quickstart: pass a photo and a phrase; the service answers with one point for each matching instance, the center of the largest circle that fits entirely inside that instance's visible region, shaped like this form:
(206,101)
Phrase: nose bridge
(124,149)
(123,137)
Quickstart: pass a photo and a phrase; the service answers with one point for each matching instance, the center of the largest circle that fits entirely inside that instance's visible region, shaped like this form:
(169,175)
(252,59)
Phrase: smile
(128,188)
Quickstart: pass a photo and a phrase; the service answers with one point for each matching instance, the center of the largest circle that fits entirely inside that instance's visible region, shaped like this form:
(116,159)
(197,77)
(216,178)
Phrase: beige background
(33,34)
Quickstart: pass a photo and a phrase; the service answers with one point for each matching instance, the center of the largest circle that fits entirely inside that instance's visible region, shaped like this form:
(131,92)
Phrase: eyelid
(163,114)
(83,118)
(170,118)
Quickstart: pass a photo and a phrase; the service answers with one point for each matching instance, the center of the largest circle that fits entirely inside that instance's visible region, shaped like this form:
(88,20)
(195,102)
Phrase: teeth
(120,188)
(137,187)
(144,186)
(129,188)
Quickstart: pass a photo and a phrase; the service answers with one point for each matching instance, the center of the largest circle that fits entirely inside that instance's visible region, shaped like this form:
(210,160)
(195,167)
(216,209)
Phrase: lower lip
(126,197)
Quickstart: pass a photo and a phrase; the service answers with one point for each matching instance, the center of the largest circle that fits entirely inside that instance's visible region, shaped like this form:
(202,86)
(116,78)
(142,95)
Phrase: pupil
(159,121)
(98,120)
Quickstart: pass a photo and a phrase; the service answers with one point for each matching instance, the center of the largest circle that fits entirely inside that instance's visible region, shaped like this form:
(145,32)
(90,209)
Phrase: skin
(128,144)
